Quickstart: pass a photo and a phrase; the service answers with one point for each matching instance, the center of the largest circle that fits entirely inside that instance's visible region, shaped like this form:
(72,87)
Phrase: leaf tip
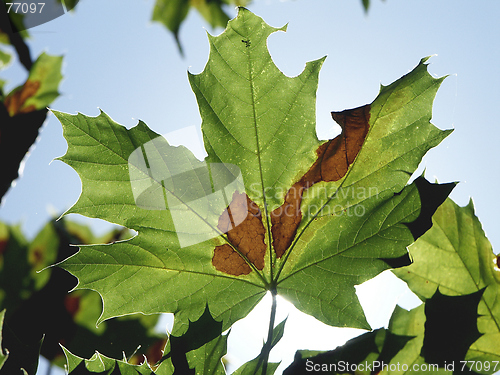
(424,60)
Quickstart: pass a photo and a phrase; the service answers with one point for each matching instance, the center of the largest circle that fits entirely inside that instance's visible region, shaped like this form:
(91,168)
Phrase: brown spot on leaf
(227,260)
(247,237)
(286,219)
(334,159)
(338,157)
(15,102)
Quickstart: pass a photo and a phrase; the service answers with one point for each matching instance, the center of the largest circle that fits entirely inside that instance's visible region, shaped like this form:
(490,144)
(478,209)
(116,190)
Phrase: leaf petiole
(266,349)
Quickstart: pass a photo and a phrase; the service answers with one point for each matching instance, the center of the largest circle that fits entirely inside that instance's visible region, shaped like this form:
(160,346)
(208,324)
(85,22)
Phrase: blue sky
(120,62)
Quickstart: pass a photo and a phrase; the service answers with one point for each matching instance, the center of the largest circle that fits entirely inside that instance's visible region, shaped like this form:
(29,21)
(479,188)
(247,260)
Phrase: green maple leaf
(211,232)
(456,259)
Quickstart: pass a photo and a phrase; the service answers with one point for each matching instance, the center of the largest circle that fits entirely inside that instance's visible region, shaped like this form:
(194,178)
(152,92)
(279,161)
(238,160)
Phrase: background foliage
(40,314)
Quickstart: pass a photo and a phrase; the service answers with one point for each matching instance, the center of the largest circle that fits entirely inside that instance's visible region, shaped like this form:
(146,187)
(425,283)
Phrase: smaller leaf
(40,89)
(171,13)
(278,332)
(198,349)
(69,4)
(366,5)
(212,12)
(455,258)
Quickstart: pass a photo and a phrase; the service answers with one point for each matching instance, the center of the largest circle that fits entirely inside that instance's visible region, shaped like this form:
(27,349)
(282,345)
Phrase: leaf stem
(269,343)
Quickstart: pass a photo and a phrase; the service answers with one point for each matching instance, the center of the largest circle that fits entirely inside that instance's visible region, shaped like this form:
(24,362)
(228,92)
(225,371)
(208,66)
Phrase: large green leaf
(456,259)
(270,208)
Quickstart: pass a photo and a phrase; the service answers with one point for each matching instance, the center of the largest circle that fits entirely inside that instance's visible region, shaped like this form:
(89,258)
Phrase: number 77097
(25,7)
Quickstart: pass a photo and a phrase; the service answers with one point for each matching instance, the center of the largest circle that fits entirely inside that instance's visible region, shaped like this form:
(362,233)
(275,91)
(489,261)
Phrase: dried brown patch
(334,159)
(286,219)
(227,260)
(247,237)
(15,102)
